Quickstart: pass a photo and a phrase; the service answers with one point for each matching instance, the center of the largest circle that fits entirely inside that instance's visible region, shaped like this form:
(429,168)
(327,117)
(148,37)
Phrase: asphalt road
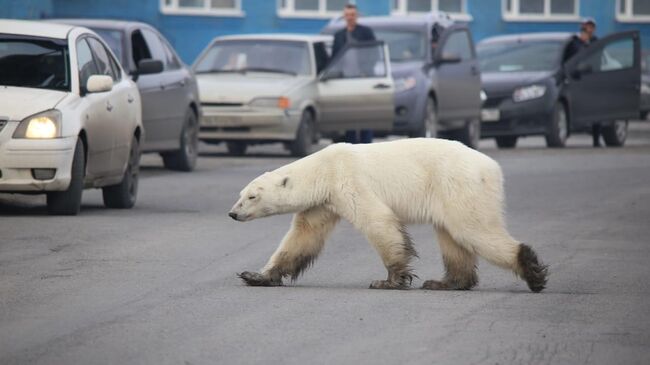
(157,285)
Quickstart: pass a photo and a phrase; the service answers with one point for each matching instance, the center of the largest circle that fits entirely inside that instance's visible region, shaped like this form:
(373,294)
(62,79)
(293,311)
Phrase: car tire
(236,148)
(68,202)
(507,141)
(184,159)
(558,131)
(615,133)
(304,142)
(124,194)
(429,126)
(470,135)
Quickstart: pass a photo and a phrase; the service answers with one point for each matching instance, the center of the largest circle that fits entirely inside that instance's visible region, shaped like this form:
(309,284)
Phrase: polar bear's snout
(233,215)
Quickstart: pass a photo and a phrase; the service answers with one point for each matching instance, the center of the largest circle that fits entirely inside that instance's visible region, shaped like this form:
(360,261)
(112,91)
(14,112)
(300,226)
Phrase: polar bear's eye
(251,197)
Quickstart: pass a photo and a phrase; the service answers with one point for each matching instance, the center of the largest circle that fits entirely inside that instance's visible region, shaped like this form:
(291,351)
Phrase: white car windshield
(286,57)
(34,62)
(520,56)
(403,45)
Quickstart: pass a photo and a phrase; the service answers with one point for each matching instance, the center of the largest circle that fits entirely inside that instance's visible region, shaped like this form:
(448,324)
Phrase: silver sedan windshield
(286,57)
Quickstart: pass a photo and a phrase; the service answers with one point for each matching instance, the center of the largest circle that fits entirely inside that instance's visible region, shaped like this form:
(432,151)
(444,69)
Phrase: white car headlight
(405,83)
(281,102)
(529,93)
(40,126)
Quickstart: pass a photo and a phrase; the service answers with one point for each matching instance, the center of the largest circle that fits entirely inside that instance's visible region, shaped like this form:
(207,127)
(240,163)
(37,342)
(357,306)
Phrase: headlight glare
(405,83)
(528,93)
(43,125)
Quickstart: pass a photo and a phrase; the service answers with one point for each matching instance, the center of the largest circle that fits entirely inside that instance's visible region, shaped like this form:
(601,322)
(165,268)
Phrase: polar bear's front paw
(435,285)
(386,284)
(256,279)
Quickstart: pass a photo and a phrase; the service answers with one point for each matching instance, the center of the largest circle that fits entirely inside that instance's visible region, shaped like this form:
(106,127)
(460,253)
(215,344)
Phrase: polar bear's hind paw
(257,279)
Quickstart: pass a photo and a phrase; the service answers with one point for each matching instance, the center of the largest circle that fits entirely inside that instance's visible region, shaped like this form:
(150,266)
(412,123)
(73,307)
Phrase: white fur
(381,187)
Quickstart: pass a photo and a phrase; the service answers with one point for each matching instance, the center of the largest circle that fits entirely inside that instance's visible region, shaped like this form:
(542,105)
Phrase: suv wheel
(559,129)
(124,194)
(615,133)
(470,134)
(304,142)
(428,129)
(68,202)
(184,159)
(236,148)
(507,141)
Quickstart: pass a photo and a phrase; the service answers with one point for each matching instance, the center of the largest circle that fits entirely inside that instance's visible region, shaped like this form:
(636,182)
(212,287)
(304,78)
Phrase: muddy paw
(434,285)
(257,279)
(385,284)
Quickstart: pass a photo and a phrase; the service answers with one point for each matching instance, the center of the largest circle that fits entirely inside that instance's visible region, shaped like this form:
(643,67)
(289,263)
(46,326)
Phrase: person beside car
(578,43)
(353,33)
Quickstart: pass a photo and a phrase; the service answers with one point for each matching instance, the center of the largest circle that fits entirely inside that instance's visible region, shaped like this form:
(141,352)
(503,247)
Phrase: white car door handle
(381,86)
(130,98)
(109,106)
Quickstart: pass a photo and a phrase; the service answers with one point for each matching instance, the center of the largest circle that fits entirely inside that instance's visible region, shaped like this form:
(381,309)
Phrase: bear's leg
(298,250)
(388,235)
(499,248)
(460,265)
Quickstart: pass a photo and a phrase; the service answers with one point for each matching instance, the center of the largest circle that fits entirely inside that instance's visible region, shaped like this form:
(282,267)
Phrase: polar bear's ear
(284,182)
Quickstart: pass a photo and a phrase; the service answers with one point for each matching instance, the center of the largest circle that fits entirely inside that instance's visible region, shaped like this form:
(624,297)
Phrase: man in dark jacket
(352,33)
(579,42)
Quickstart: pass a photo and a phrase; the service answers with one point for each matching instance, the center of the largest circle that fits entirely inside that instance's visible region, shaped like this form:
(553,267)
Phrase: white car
(70,117)
(268,88)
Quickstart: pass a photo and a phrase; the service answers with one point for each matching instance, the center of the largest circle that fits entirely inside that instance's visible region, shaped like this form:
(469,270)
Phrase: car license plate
(490,115)
(223,121)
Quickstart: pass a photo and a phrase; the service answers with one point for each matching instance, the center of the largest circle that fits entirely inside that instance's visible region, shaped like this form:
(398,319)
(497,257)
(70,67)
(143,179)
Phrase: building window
(311,8)
(202,7)
(457,9)
(633,11)
(541,10)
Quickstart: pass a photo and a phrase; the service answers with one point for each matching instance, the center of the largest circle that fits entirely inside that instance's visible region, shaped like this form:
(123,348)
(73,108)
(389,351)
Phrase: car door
(355,91)
(172,100)
(603,81)
(152,91)
(119,100)
(458,77)
(99,130)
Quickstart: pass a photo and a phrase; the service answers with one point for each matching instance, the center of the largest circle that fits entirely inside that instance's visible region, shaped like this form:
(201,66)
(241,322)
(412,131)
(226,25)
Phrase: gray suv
(436,74)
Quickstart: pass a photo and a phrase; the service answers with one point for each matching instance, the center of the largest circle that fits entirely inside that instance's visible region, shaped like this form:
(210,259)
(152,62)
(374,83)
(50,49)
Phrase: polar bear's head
(269,194)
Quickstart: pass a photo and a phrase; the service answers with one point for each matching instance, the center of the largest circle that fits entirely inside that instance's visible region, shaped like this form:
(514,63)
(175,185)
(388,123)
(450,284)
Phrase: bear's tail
(531,269)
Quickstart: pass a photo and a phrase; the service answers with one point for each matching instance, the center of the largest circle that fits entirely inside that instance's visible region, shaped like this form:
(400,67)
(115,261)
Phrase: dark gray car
(533,89)
(170,97)
(437,89)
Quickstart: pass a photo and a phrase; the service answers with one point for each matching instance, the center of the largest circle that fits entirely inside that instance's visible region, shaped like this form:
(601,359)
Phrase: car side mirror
(331,74)
(99,84)
(448,57)
(150,66)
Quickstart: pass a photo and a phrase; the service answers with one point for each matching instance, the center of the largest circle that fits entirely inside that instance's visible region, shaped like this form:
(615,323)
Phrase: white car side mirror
(99,83)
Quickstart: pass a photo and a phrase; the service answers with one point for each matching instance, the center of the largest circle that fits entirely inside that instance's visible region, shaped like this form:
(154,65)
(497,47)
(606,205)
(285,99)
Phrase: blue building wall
(190,34)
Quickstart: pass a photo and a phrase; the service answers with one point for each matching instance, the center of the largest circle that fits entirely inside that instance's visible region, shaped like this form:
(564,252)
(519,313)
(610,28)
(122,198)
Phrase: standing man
(579,42)
(352,33)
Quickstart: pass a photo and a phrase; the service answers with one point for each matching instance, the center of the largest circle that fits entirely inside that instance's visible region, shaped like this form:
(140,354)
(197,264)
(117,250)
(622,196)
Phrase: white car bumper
(20,157)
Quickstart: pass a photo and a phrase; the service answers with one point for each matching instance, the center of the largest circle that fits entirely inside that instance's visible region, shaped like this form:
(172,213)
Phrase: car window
(155,46)
(85,62)
(114,39)
(102,58)
(458,44)
(404,45)
(139,48)
(171,61)
(360,61)
(321,56)
(35,63)
(519,56)
(617,55)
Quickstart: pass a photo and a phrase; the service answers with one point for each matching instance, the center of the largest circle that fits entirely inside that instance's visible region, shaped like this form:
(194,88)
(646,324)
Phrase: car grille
(494,102)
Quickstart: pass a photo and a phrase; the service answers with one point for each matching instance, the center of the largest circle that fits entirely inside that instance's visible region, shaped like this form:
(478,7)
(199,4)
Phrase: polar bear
(380,188)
